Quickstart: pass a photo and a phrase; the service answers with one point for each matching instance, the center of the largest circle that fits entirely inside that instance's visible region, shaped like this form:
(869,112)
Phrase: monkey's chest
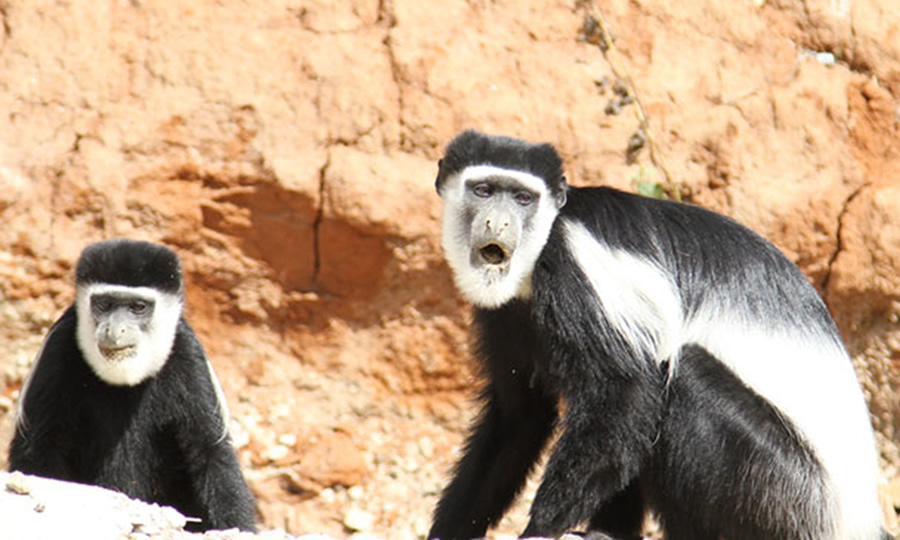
(114,443)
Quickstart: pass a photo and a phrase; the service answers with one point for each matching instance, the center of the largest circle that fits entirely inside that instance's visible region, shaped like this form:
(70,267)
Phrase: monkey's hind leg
(727,465)
(621,518)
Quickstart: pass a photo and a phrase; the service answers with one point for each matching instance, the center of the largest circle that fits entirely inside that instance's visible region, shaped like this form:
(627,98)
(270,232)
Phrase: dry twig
(596,32)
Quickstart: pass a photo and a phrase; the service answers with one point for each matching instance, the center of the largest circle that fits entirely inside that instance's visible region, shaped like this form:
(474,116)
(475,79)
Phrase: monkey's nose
(496,227)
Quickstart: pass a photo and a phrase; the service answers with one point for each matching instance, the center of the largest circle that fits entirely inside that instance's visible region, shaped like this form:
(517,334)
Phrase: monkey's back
(694,277)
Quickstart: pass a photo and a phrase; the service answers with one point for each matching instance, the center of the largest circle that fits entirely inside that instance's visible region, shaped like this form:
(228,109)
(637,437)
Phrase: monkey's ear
(561,196)
(440,176)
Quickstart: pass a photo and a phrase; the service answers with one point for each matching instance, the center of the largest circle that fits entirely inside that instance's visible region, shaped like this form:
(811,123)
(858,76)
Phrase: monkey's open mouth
(493,254)
(117,354)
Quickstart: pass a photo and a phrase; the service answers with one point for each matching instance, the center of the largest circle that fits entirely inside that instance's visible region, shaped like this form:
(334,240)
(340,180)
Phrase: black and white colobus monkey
(122,395)
(701,374)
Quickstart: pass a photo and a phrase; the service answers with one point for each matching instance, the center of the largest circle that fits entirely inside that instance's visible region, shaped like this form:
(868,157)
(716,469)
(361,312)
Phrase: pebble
(288,439)
(277,452)
(18,483)
(357,519)
(356,493)
(426,447)
(279,412)
(240,437)
(328,495)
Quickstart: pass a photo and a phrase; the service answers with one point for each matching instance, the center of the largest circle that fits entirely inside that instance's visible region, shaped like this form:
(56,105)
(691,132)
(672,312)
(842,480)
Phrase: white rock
(356,493)
(364,536)
(426,447)
(357,519)
(328,495)
(288,439)
(279,451)
(34,508)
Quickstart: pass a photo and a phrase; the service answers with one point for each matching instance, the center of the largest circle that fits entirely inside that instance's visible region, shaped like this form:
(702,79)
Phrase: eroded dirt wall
(288,149)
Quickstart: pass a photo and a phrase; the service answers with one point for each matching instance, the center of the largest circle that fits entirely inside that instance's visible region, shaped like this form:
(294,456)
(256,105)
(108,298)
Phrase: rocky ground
(288,149)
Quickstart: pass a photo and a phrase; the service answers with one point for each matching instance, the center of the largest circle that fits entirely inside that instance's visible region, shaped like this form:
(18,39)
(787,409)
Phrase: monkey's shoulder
(608,205)
(665,228)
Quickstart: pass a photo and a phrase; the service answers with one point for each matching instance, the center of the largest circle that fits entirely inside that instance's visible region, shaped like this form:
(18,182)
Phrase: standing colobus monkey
(122,395)
(701,374)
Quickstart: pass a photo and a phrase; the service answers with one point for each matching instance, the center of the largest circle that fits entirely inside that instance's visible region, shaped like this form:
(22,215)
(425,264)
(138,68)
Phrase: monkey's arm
(607,437)
(517,418)
(612,395)
(32,451)
(499,453)
(218,485)
(43,428)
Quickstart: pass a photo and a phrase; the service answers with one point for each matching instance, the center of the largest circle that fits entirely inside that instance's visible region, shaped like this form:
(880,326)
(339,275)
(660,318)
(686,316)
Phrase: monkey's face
(125,333)
(495,224)
(120,319)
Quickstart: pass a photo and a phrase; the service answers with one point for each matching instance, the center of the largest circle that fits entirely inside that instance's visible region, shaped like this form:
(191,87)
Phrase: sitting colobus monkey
(122,395)
(700,374)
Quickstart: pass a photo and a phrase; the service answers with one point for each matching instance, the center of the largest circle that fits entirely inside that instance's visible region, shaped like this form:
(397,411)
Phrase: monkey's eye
(524,197)
(483,190)
(101,305)
(138,306)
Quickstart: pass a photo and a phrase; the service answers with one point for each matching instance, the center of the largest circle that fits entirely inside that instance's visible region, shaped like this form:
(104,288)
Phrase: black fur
(712,457)
(161,441)
(132,263)
(708,410)
(506,441)
(473,148)
(598,454)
